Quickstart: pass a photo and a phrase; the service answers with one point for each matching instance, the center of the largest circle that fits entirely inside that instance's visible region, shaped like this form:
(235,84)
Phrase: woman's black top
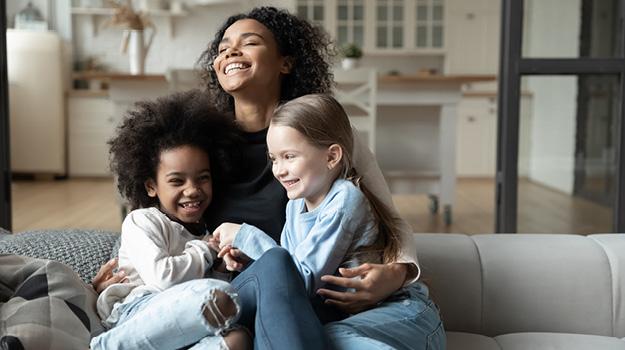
(253,195)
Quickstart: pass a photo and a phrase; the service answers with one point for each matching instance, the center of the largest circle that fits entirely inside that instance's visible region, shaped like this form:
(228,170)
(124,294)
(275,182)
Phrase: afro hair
(152,127)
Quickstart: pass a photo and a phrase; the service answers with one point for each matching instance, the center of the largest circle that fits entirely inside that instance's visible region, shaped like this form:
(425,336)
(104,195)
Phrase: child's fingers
(105,271)
(225,250)
(212,244)
(231,263)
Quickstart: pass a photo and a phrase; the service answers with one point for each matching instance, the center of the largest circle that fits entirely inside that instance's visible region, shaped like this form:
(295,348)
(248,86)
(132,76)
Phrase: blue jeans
(406,320)
(171,319)
(275,304)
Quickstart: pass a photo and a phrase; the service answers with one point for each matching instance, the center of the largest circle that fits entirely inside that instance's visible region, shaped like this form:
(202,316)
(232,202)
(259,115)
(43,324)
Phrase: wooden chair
(356,89)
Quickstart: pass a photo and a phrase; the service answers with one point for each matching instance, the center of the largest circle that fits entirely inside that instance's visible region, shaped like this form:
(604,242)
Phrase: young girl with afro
(168,156)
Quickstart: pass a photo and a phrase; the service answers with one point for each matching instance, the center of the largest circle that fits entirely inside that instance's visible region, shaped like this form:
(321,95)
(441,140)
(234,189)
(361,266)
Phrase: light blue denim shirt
(340,232)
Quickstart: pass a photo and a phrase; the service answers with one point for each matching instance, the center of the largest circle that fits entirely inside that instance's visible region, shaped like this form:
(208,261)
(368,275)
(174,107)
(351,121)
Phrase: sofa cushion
(450,264)
(558,341)
(44,305)
(470,341)
(545,283)
(4,233)
(83,250)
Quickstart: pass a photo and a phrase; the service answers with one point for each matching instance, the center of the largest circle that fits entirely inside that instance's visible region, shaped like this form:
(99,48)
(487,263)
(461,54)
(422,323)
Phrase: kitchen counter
(382,79)
(108,76)
(418,78)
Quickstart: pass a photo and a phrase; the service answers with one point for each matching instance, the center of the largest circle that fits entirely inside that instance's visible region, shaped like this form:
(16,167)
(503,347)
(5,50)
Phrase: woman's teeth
(234,67)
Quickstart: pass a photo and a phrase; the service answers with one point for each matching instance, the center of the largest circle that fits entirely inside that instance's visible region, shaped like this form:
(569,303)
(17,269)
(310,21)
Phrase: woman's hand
(225,233)
(376,283)
(234,258)
(105,276)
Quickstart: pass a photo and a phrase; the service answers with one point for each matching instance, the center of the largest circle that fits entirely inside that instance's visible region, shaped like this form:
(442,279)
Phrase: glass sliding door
(561,165)
(566,156)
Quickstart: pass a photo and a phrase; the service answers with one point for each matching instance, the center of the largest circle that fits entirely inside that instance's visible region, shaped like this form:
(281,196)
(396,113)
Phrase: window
(429,19)
(350,22)
(312,10)
(389,24)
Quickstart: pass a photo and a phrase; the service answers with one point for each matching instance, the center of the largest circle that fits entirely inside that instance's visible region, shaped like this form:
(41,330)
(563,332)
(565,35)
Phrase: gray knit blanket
(82,250)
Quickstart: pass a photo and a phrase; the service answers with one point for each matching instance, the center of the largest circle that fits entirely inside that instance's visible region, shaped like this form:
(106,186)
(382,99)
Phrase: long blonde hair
(322,120)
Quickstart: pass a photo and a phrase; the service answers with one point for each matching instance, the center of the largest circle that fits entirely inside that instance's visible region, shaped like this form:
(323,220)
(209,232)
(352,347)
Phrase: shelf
(109,11)
(95,11)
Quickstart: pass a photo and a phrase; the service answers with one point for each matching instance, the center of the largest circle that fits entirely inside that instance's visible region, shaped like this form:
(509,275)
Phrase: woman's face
(249,57)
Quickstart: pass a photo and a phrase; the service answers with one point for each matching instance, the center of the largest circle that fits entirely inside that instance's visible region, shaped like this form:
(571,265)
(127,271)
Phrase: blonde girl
(332,220)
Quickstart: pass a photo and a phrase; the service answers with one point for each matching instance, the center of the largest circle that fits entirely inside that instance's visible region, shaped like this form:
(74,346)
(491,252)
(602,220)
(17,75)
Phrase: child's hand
(213,243)
(225,233)
(234,258)
(107,276)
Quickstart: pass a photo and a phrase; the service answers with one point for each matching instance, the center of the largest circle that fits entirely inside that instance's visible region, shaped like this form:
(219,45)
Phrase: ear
(150,187)
(335,155)
(287,65)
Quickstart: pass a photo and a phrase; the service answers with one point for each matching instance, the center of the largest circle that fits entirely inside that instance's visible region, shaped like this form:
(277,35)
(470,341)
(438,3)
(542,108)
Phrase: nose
(232,51)
(227,53)
(192,190)
(278,169)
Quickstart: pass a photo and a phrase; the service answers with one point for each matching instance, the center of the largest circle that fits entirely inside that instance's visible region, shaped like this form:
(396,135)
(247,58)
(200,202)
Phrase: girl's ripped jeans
(183,315)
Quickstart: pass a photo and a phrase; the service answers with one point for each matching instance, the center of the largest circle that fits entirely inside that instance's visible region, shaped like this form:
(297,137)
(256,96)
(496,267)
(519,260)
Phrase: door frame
(512,68)
(5,152)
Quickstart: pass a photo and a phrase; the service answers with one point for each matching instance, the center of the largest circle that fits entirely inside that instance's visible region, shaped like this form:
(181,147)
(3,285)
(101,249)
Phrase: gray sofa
(521,291)
(511,292)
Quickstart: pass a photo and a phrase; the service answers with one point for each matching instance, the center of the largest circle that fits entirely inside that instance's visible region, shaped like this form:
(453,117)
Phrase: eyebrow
(243,36)
(179,173)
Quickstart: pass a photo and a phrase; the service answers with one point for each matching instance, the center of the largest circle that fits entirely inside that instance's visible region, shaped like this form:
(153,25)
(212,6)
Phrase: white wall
(554,27)
(192,33)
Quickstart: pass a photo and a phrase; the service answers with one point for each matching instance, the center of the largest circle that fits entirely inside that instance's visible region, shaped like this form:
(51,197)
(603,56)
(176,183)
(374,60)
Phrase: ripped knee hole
(219,309)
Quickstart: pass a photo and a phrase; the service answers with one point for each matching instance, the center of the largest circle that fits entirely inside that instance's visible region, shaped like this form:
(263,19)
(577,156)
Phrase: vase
(349,63)
(136,52)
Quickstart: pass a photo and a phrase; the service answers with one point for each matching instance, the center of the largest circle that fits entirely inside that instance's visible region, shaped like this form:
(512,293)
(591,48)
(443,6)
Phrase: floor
(93,203)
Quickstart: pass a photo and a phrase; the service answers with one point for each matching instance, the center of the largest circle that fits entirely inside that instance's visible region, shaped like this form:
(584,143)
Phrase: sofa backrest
(505,283)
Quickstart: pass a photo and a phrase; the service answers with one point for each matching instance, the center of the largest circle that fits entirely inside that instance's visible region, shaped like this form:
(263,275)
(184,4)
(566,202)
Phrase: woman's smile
(235,67)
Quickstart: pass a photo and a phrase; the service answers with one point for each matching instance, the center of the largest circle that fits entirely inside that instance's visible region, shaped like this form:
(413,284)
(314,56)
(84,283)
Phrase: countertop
(404,78)
(117,76)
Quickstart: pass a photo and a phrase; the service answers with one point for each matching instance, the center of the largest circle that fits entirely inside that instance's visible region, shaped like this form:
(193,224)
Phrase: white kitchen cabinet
(381,26)
(91,124)
(476,141)
(476,138)
(472,36)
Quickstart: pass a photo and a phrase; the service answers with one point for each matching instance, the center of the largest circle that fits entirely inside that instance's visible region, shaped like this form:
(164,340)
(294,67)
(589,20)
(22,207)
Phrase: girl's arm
(321,249)
(377,281)
(147,239)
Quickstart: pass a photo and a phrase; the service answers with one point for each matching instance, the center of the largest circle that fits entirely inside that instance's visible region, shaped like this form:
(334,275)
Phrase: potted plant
(351,53)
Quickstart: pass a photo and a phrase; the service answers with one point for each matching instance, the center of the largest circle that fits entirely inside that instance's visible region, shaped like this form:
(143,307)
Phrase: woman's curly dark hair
(309,46)
(155,126)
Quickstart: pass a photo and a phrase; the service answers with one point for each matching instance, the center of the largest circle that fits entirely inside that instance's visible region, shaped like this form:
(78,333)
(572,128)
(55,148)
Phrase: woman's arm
(376,283)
